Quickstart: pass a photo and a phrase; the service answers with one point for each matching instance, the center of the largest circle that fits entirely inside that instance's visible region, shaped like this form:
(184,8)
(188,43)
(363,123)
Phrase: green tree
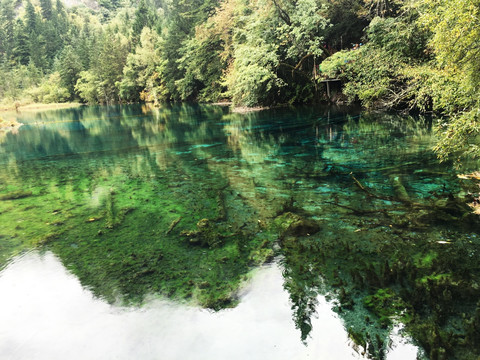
(85,42)
(207,55)
(31,18)
(276,47)
(455,27)
(392,70)
(109,66)
(7,22)
(251,78)
(49,90)
(203,67)
(70,66)
(100,83)
(348,19)
(15,80)
(144,17)
(86,87)
(60,8)
(142,73)
(21,50)
(47,9)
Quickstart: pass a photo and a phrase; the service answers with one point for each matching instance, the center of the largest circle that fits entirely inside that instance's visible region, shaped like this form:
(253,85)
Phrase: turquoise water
(182,202)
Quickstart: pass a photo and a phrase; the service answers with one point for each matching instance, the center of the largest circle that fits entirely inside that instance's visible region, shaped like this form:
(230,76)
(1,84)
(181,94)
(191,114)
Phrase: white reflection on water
(46,314)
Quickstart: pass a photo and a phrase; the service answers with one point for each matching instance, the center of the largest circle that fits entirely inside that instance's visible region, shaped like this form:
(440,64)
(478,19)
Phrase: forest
(411,55)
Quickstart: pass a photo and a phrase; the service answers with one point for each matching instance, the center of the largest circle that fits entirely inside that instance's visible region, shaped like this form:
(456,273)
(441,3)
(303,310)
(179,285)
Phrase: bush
(49,91)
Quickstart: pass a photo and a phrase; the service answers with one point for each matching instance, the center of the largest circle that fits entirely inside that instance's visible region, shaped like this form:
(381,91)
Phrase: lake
(191,232)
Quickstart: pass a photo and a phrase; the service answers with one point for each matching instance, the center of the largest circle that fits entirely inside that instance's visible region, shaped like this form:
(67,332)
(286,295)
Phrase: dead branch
(172,225)
(356,211)
(369,193)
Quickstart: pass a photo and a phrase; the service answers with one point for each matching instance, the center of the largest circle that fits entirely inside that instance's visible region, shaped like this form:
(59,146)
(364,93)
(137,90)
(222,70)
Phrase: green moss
(435,278)
(425,260)
(260,256)
(386,304)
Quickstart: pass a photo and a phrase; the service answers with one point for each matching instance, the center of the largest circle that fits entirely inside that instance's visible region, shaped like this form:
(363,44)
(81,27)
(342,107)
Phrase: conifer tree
(143,18)
(31,18)
(7,19)
(21,51)
(47,9)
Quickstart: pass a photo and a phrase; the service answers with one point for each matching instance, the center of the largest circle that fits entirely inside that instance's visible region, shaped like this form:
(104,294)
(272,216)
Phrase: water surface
(180,203)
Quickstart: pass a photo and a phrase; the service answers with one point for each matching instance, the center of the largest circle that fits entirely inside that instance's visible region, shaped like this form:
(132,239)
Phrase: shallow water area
(153,216)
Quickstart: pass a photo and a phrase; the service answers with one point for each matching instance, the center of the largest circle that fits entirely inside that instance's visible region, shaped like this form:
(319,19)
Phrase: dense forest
(419,56)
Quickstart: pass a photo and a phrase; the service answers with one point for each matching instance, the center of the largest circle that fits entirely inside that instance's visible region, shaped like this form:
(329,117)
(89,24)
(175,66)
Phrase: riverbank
(36,106)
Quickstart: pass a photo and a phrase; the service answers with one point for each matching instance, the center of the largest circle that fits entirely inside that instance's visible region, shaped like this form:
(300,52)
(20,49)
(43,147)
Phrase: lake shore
(36,106)
(246,109)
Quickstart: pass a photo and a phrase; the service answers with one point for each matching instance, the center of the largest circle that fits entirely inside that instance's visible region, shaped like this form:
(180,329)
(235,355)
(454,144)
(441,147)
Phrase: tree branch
(283,14)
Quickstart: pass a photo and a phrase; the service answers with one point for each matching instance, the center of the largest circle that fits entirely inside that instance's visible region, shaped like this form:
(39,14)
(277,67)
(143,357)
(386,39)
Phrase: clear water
(178,205)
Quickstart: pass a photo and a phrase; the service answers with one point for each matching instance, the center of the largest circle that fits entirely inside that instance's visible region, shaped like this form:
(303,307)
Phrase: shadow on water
(184,200)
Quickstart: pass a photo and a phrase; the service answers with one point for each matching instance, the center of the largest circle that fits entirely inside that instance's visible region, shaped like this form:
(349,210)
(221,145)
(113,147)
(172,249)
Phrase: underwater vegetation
(184,201)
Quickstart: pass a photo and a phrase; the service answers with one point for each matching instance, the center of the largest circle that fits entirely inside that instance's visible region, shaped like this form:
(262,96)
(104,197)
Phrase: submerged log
(16,195)
(172,225)
(400,191)
(367,191)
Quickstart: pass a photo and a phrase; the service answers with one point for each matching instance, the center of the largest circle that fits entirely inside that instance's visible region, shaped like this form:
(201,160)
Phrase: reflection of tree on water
(381,248)
(128,194)
(163,206)
(386,257)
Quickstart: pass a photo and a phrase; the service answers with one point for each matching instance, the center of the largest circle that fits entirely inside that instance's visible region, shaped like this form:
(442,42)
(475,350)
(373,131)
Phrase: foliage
(400,37)
(203,66)
(367,72)
(348,19)
(141,72)
(100,83)
(456,44)
(274,53)
(251,79)
(208,53)
(460,135)
(335,65)
(49,91)
(86,87)
(70,66)
(15,81)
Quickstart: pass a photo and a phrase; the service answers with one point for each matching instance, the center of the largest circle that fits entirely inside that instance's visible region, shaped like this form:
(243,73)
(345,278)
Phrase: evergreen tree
(31,19)
(7,21)
(47,9)
(21,50)
(60,8)
(144,17)
(69,67)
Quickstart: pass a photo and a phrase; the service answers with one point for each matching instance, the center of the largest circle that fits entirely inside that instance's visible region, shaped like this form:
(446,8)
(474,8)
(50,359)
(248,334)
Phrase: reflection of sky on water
(46,314)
